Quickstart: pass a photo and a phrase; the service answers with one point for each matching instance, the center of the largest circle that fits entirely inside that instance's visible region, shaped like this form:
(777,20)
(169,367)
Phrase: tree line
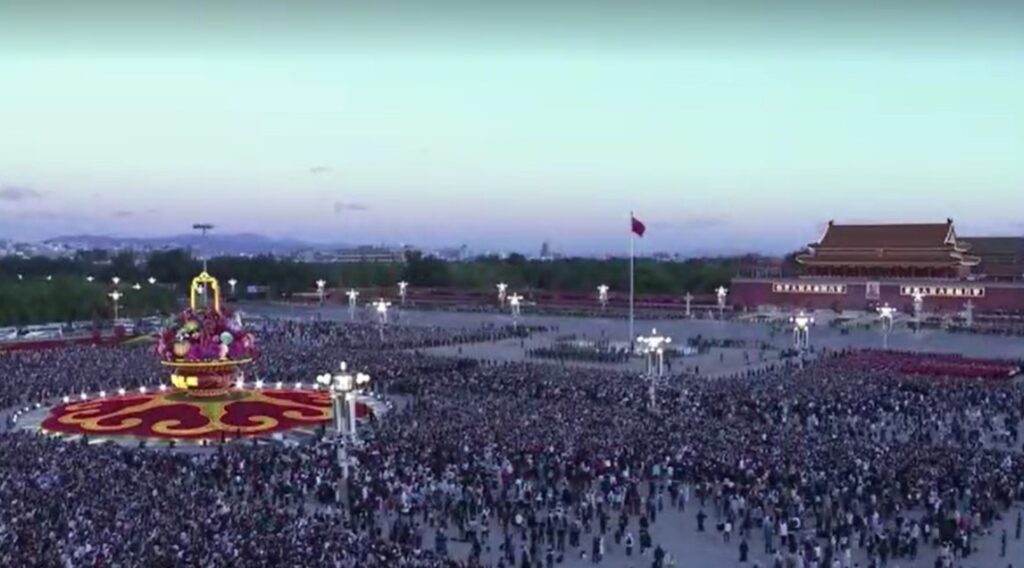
(58,290)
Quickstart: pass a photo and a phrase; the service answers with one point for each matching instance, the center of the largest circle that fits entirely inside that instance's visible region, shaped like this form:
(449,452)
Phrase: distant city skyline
(726,126)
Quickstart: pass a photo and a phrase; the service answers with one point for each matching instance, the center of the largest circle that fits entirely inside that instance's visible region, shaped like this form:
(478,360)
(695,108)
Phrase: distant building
(370,254)
(861,267)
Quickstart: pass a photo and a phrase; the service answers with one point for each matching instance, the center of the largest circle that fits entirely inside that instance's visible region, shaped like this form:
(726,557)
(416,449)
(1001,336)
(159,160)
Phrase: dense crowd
(519,464)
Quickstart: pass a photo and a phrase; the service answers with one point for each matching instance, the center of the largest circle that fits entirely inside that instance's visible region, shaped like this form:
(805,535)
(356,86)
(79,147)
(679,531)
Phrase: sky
(725,125)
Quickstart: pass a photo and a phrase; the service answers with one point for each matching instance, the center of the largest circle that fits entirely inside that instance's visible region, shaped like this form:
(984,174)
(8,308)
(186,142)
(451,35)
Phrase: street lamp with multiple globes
(320,284)
(152,280)
(352,296)
(343,388)
(969,313)
(514,302)
(502,290)
(918,307)
(116,296)
(402,286)
(887,314)
(136,286)
(688,298)
(653,346)
(602,295)
(115,280)
(232,282)
(382,306)
(89,279)
(721,293)
(801,331)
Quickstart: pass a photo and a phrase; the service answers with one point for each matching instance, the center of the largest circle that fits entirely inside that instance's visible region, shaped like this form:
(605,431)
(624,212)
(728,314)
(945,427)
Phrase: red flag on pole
(637,227)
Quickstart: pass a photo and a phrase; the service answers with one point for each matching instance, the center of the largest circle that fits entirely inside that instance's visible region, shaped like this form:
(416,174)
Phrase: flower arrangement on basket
(205,344)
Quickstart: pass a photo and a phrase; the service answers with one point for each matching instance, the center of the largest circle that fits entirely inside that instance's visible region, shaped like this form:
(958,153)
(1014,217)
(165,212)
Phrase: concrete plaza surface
(990,346)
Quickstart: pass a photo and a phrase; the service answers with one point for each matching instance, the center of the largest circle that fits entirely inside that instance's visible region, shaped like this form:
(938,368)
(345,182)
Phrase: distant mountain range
(239,243)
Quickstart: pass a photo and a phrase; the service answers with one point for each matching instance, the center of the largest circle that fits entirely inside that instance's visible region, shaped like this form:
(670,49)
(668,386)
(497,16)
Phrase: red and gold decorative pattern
(179,415)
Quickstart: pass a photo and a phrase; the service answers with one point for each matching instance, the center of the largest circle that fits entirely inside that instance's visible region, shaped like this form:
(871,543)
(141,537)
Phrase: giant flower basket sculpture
(206,344)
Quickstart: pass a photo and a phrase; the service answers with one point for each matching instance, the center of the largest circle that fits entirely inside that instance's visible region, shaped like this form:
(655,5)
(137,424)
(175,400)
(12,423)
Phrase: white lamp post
(502,289)
(918,307)
(801,331)
(887,314)
(602,295)
(382,306)
(654,347)
(343,388)
(49,278)
(232,282)
(689,298)
(721,293)
(136,286)
(152,281)
(116,280)
(402,286)
(320,284)
(89,279)
(514,302)
(352,296)
(116,297)
(969,313)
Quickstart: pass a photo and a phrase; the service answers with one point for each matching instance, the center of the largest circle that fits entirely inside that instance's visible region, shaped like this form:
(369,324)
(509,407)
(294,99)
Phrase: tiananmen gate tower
(860,267)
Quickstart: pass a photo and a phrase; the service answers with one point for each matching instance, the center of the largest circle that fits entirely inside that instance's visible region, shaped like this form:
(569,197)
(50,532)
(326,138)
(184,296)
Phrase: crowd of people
(520,464)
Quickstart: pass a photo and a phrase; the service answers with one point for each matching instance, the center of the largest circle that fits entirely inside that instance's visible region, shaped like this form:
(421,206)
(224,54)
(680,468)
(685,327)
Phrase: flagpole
(632,238)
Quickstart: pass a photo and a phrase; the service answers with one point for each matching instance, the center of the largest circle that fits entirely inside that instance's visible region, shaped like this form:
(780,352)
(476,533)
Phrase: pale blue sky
(744,126)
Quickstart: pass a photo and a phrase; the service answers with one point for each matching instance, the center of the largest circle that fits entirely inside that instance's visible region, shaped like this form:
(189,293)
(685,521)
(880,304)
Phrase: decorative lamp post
(721,293)
(918,307)
(21,277)
(115,280)
(352,296)
(689,298)
(887,315)
(382,306)
(89,279)
(969,313)
(116,297)
(602,295)
(320,289)
(49,278)
(402,286)
(152,281)
(343,388)
(502,289)
(514,302)
(136,286)
(653,346)
(801,331)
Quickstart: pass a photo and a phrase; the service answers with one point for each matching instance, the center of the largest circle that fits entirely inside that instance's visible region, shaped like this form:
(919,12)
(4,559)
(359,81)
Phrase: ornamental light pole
(89,279)
(653,346)
(918,307)
(689,298)
(116,296)
(115,281)
(969,313)
(886,314)
(343,387)
(352,296)
(152,281)
(320,284)
(721,293)
(382,306)
(514,302)
(602,295)
(801,331)
(402,286)
(232,282)
(502,289)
